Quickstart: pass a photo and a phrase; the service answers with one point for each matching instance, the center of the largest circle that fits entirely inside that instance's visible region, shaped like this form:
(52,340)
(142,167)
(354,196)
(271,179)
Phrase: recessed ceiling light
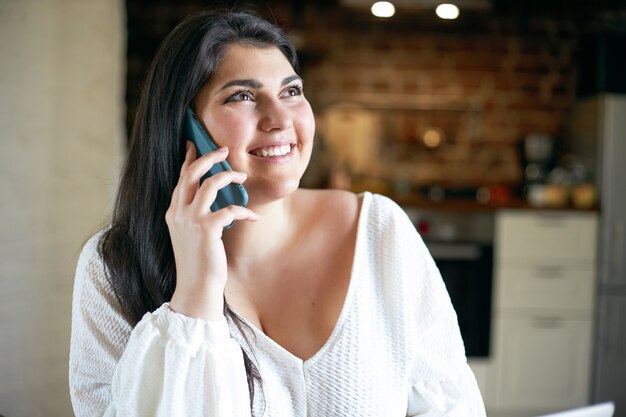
(447,11)
(383,9)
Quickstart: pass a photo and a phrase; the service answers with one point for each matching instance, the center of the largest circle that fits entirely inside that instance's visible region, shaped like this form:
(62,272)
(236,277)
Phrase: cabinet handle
(551,220)
(547,322)
(548,271)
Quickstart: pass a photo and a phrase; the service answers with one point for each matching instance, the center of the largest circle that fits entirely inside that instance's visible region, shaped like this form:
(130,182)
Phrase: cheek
(229,131)
(306,124)
(234,132)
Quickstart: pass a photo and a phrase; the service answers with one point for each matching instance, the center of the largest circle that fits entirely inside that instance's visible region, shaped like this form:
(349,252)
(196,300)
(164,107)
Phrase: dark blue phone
(232,194)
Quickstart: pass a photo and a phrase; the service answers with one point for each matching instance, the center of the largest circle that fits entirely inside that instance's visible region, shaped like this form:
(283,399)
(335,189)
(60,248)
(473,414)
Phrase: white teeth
(273,151)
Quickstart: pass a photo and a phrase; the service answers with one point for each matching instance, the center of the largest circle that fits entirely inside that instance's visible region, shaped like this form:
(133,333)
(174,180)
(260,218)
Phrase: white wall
(61,146)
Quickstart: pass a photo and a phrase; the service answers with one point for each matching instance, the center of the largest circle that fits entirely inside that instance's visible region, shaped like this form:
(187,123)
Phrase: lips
(273,150)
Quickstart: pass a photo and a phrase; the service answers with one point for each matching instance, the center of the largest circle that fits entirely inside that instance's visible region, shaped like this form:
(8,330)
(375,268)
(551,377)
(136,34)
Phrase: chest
(350,383)
(364,369)
(297,303)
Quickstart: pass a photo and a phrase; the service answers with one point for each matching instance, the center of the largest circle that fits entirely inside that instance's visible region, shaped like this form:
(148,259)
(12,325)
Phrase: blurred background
(498,125)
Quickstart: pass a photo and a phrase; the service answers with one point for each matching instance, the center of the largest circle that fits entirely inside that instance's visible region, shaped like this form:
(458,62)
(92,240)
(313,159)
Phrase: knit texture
(396,349)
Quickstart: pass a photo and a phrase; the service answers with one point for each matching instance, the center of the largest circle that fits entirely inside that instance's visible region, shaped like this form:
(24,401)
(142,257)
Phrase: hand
(196,234)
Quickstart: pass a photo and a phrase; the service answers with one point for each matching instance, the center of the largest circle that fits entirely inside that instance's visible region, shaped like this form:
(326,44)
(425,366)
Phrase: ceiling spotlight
(383,9)
(447,11)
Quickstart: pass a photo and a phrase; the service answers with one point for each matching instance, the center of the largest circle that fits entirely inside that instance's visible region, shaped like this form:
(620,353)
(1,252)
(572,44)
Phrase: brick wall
(491,83)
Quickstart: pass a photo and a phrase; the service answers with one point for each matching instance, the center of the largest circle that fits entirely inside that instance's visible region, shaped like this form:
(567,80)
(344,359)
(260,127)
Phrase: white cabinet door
(543,363)
(545,285)
(534,236)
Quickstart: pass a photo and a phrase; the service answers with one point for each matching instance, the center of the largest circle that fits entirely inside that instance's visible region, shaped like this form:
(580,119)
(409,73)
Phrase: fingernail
(223,149)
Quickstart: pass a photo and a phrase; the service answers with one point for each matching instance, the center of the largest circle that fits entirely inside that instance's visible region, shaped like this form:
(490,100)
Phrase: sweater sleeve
(167,365)
(440,382)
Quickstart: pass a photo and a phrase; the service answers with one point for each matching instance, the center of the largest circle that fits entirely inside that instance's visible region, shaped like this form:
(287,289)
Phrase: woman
(315,303)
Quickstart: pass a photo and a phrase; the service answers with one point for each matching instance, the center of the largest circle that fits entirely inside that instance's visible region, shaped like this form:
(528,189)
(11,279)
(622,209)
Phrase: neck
(248,243)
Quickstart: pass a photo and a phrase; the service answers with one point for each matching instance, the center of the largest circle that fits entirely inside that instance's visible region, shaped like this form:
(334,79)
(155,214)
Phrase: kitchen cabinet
(545,363)
(544,282)
(537,235)
(545,285)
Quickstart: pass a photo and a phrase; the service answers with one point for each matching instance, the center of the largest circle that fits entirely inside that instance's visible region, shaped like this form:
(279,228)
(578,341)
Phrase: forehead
(245,61)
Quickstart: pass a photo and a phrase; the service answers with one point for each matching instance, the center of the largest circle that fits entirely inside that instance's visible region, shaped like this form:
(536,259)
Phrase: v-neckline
(345,309)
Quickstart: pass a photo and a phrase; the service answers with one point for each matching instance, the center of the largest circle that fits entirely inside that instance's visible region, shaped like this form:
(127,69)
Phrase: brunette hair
(136,249)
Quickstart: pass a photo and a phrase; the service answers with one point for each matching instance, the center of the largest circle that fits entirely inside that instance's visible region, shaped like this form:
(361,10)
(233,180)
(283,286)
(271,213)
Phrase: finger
(189,158)
(202,164)
(189,155)
(227,215)
(207,193)
(190,178)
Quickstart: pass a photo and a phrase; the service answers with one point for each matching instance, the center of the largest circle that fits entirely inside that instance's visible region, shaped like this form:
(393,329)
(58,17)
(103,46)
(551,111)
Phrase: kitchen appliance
(538,158)
(598,133)
(462,246)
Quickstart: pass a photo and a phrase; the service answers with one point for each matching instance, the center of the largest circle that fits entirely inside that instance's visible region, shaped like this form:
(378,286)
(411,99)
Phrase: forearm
(176,366)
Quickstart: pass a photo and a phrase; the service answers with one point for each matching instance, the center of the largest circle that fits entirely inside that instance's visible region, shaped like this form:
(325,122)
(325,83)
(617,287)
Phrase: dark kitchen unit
(461,244)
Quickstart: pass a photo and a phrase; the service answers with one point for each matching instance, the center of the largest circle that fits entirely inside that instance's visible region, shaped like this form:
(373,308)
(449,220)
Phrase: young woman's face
(254,105)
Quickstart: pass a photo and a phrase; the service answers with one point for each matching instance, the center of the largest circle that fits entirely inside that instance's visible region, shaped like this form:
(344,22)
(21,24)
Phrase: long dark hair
(136,249)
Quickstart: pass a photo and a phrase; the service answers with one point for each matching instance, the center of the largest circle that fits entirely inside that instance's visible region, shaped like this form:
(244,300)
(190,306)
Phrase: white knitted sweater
(396,349)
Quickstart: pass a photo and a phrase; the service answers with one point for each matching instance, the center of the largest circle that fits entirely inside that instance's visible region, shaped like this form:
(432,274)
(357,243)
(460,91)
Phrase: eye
(294,90)
(241,95)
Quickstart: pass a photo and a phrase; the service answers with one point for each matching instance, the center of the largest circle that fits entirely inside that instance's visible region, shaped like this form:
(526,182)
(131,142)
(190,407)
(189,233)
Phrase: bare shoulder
(331,206)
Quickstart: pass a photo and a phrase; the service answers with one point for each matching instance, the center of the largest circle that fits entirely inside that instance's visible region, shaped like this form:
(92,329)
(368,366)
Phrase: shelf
(460,205)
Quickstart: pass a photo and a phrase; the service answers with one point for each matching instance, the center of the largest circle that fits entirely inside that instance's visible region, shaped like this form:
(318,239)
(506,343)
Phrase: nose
(274,116)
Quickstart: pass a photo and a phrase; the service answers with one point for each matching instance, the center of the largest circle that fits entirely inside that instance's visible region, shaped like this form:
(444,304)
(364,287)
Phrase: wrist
(206,304)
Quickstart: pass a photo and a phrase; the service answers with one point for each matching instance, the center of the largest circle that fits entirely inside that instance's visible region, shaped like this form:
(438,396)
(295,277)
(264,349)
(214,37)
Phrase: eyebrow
(252,83)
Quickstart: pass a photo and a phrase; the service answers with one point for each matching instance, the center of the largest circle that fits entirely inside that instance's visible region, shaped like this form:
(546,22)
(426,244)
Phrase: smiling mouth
(268,151)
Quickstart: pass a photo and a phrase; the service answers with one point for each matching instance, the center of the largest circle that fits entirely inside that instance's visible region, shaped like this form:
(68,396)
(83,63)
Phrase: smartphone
(232,194)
